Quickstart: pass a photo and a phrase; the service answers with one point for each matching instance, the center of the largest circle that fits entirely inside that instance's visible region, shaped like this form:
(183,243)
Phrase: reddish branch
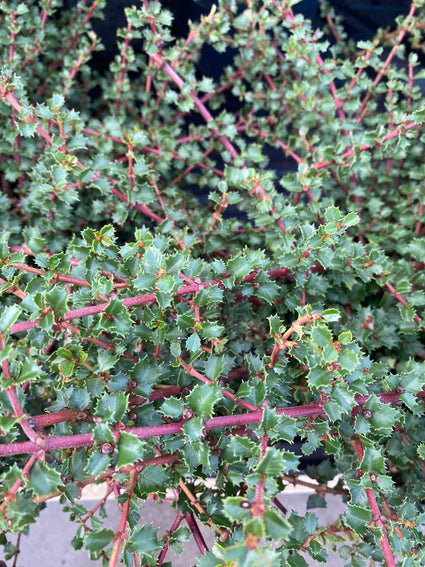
(121,532)
(402,33)
(378,519)
(238,401)
(196,532)
(258,508)
(146,299)
(14,401)
(82,440)
(177,521)
(400,130)
(86,439)
(11,99)
(206,115)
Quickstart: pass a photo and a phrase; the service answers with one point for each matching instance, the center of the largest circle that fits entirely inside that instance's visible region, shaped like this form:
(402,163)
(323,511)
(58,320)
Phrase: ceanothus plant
(149,341)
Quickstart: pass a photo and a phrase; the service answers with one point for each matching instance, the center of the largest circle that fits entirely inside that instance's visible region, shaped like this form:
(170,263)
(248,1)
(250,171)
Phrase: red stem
(190,370)
(84,439)
(81,440)
(120,534)
(177,521)
(196,532)
(351,151)
(146,299)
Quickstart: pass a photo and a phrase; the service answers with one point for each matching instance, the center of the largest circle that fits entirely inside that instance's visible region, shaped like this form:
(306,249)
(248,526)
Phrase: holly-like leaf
(277,527)
(143,541)
(236,508)
(172,407)
(193,343)
(44,479)
(130,449)
(57,299)
(321,335)
(373,460)
(202,399)
(8,317)
(272,464)
(239,267)
(348,359)
(96,540)
(112,407)
(357,517)
(193,428)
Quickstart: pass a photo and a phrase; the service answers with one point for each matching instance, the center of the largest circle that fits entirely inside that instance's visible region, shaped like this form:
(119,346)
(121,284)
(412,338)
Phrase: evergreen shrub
(149,341)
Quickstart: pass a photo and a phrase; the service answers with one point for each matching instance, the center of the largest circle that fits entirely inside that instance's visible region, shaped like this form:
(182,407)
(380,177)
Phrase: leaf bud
(399,390)
(107,448)
(367,414)
(373,477)
(187,413)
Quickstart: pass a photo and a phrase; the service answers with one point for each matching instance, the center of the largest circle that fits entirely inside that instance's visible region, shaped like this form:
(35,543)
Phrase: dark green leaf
(44,479)
(96,540)
(130,449)
(202,399)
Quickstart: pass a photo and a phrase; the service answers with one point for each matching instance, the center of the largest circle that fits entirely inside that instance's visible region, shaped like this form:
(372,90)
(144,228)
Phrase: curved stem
(120,534)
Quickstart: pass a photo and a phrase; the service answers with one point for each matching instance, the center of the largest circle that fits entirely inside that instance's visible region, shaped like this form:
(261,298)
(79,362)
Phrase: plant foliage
(149,341)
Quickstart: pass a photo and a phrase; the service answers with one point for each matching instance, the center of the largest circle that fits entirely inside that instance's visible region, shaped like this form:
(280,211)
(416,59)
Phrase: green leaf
(348,359)
(57,299)
(421,451)
(243,447)
(96,540)
(214,366)
(268,291)
(130,449)
(332,214)
(172,407)
(202,399)
(209,560)
(112,407)
(103,434)
(275,324)
(345,338)
(358,517)
(29,370)
(143,540)
(255,526)
(272,464)
(373,460)
(97,464)
(239,267)
(351,219)
(236,508)
(193,428)
(193,343)
(330,353)
(270,419)
(44,479)
(330,315)
(383,417)
(153,478)
(321,336)
(318,377)
(8,317)
(277,528)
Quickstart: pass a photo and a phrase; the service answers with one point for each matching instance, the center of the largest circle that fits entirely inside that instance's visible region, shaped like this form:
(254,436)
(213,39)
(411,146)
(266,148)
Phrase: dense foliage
(149,341)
